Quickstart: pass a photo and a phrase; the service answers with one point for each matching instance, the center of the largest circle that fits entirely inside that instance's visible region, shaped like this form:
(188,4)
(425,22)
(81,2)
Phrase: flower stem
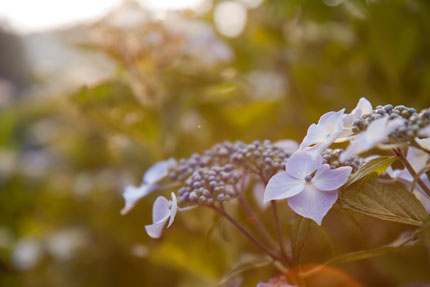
(246,233)
(279,233)
(255,220)
(411,170)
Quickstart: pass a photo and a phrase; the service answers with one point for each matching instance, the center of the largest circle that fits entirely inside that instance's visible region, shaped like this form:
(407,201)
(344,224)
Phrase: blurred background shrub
(86,108)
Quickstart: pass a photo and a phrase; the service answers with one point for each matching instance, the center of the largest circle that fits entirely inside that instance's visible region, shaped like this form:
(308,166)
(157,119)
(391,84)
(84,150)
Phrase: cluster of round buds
(208,185)
(331,157)
(263,157)
(413,121)
(219,155)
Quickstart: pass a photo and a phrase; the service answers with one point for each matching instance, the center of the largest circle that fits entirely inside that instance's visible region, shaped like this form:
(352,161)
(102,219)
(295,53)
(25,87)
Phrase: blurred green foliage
(66,159)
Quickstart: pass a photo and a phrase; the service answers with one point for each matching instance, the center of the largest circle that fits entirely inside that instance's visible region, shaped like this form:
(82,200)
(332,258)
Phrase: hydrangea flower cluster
(308,176)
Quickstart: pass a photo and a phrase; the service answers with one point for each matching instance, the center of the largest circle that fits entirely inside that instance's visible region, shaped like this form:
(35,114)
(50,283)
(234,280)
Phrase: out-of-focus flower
(424,143)
(419,160)
(151,178)
(322,135)
(163,211)
(309,186)
(27,253)
(424,132)
(63,244)
(376,133)
(363,107)
(289,146)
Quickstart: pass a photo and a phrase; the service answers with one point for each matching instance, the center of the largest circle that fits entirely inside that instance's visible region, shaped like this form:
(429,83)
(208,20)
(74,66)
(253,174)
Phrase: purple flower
(309,186)
(152,176)
(363,107)
(322,135)
(163,211)
(376,133)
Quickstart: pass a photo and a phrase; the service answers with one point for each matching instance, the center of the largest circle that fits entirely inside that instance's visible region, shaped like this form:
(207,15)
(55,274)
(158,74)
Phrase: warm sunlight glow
(30,16)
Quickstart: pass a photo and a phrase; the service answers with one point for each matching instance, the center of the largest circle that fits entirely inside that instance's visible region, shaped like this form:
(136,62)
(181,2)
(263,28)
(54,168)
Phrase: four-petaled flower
(322,135)
(163,211)
(309,186)
(363,107)
(376,133)
(152,176)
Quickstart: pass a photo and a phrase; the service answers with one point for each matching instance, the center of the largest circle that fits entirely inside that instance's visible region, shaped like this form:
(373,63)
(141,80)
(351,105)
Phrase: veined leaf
(405,241)
(372,169)
(299,233)
(384,201)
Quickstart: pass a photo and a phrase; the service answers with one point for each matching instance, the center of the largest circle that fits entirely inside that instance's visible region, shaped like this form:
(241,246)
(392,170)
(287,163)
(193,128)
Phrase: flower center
(308,178)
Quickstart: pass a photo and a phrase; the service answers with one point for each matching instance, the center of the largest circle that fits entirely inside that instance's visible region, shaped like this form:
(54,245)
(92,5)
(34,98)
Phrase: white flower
(376,133)
(309,186)
(322,135)
(424,143)
(418,160)
(424,132)
(363,107)
(163,211)
(152,176)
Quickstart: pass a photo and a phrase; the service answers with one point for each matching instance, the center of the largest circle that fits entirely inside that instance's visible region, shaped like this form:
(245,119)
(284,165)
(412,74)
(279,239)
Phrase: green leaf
(404,241)
(390,202)
(299,233)
(247,262)
(372,169)
(426,235)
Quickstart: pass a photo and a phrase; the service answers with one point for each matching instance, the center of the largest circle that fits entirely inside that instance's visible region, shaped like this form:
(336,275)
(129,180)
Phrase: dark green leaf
(372,169)
(299,233)
(384,201)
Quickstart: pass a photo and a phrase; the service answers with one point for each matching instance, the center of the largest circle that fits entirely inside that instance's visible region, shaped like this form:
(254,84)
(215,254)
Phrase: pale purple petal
(423,197)
(173,209)
(326,131)
(158,171)
(154,230)
(132,194)
(282,186)
(258,194)
(363,107)
(160,209)
(358,145)
(332,121)
(327,179)
(424,132)
(313,203)
(424,143)
(393,173)
(315,134)
(417,158)
(289,146)
(301,164)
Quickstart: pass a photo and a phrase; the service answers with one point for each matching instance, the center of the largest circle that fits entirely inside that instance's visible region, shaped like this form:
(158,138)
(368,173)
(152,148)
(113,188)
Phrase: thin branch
(278,232)
(255,220)
(411,170)
(246,233)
